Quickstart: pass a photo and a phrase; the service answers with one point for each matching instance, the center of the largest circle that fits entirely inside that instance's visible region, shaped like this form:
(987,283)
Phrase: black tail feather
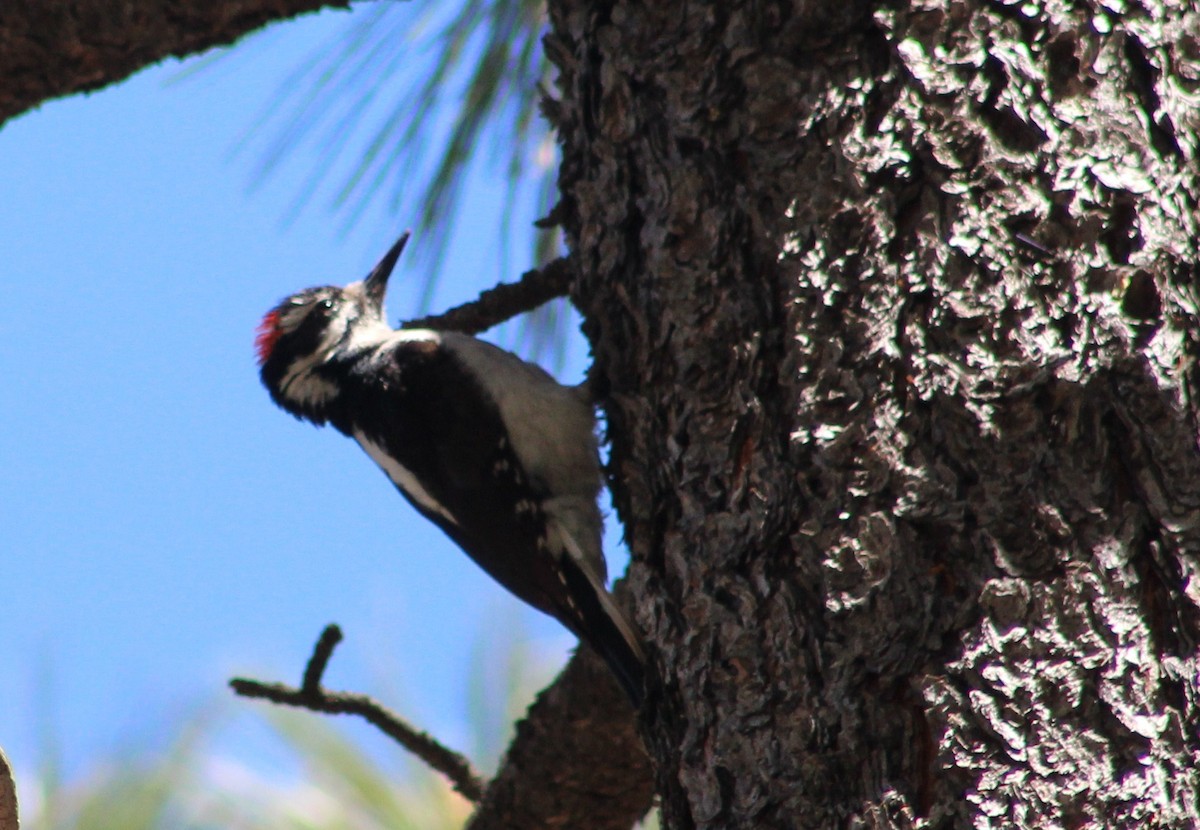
(603,627)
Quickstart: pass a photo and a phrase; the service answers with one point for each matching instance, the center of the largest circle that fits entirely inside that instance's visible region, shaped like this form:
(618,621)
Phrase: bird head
(314,328)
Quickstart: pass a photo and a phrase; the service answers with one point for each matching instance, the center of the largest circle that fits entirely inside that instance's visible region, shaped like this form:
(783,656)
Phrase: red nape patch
(267,333)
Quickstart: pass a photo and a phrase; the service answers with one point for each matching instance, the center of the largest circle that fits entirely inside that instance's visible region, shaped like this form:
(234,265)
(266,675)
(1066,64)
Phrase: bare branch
(310,695)
(503,302)
(48,50)
(577,759)
(322,651)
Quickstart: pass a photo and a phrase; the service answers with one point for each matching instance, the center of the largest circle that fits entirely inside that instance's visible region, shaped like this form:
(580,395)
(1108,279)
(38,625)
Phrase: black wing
(426,413)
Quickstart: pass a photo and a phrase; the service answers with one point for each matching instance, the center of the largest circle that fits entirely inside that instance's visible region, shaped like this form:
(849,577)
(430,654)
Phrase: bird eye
(325,304)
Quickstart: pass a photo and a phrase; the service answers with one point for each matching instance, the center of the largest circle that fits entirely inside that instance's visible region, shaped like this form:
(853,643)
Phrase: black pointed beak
(376,281)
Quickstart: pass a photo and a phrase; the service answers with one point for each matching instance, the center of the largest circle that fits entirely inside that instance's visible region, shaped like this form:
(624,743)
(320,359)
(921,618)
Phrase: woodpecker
(486,446)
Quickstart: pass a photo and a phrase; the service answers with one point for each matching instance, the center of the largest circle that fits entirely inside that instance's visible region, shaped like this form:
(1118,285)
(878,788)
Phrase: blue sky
(164,525)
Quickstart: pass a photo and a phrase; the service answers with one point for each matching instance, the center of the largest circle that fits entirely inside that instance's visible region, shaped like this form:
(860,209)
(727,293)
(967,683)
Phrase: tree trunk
(50,49)
(8,796)
(895,322)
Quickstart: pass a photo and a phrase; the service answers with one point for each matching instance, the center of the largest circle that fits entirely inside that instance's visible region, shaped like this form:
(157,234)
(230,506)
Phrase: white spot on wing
(402,477)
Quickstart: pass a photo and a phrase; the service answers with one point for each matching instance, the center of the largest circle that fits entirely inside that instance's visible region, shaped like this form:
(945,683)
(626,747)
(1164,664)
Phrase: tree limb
(503,302)
(48,50)
(310,695)
(577,759)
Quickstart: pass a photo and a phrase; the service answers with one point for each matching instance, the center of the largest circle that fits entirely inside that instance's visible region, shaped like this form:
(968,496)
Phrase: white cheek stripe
(402,477)
(305,388)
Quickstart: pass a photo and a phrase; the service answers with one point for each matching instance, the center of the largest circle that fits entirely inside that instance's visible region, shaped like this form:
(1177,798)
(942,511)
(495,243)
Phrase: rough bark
(895,318)
(8,796)
(51,49)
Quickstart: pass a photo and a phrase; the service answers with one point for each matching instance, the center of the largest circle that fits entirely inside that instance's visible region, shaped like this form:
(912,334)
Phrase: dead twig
(312,696)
